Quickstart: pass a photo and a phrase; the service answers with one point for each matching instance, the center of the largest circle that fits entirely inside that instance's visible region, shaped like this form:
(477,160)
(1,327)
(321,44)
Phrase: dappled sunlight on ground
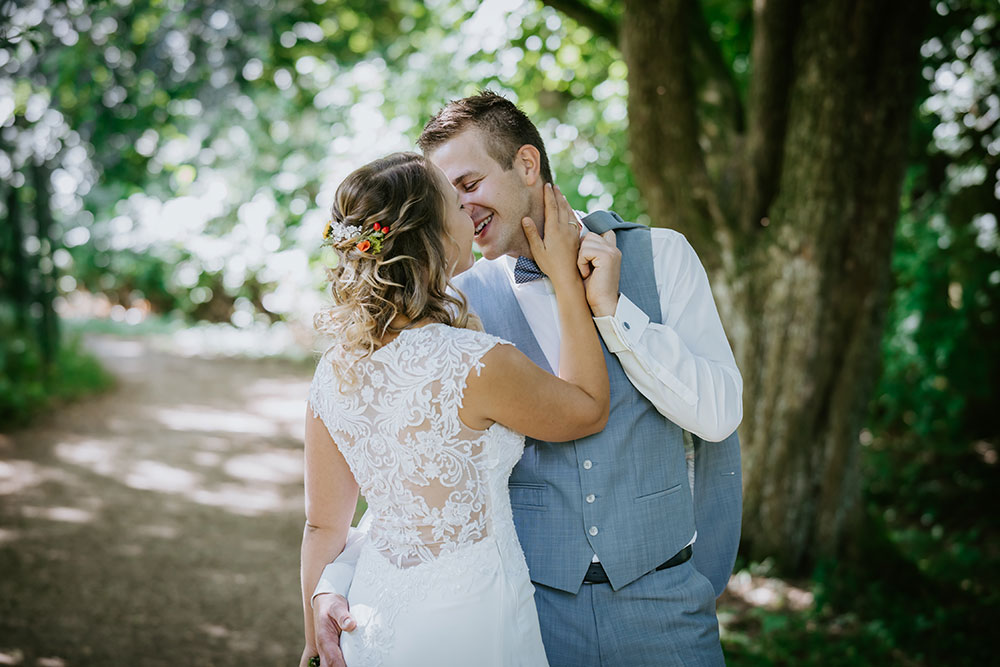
(15,476)
(278,467)
(156,476)
(11,657)
(68,514)
(755,605)
(163,518)
(202,429)
(18,476)
(99,456)
(241,499)
(191,418)
(158,531)
(768,592)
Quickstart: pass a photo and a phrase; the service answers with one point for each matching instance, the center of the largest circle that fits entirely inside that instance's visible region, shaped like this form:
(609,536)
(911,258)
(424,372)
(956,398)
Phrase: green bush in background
(29,386)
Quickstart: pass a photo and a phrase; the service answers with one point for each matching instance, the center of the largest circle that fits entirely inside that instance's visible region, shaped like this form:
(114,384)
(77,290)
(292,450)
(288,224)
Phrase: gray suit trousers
(662,619)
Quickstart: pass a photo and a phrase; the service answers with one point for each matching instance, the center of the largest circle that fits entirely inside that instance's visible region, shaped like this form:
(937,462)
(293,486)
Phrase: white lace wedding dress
(441,579)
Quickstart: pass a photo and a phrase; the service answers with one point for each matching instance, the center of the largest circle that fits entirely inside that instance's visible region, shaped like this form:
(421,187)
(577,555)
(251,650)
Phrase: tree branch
(668,162)
(599,23)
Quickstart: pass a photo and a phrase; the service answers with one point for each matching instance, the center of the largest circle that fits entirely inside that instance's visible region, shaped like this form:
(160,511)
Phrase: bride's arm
(331,496)
(511,389)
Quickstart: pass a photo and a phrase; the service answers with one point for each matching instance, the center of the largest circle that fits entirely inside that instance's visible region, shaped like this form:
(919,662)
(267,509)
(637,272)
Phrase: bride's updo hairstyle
(380,274)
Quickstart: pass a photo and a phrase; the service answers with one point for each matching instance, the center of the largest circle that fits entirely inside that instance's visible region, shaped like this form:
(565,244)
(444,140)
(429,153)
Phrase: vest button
(626,325)
(593,530)
(591,497)
(587,465)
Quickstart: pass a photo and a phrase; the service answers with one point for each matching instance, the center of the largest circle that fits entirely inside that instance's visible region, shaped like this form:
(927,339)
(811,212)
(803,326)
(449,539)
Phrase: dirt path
(158,524)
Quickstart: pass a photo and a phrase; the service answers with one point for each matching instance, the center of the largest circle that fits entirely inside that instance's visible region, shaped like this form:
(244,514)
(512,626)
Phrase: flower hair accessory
(337,232)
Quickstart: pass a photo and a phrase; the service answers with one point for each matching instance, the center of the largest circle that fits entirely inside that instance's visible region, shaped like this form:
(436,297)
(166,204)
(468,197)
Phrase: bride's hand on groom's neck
(557,253)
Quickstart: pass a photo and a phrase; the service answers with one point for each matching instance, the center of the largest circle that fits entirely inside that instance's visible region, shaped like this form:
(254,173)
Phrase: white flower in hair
(337,231)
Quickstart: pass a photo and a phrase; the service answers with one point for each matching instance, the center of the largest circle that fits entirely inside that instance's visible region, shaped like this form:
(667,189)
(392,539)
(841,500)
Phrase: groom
(627,545)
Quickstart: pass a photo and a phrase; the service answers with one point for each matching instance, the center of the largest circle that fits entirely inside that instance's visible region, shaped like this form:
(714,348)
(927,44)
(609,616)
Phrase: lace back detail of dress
(425,475)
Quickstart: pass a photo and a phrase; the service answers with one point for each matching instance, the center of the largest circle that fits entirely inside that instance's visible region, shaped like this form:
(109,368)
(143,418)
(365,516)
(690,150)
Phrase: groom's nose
(474,211)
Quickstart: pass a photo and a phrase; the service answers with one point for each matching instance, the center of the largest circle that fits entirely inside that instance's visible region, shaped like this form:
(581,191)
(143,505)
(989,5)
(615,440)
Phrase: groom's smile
(483,223)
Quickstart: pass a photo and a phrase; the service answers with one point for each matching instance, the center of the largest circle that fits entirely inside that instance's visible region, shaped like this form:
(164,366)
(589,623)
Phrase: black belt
(597,575)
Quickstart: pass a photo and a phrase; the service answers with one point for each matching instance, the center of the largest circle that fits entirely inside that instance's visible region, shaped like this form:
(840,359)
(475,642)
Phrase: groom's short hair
(505,127)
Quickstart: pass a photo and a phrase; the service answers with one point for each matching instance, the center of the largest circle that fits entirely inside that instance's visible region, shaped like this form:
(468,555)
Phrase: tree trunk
(48,324)
(800,260)
(16,284)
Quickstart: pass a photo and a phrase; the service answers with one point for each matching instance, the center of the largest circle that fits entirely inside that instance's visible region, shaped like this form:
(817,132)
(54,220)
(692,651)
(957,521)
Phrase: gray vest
(622,493)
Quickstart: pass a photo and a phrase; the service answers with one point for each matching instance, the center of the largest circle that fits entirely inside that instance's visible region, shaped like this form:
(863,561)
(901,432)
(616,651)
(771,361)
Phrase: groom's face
(494,197)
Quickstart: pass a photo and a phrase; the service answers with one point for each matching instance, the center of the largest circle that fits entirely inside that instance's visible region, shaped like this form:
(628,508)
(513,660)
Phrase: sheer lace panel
(426,476)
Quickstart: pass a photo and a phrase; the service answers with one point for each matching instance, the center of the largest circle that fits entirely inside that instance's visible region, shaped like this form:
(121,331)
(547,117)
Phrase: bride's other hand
(556,254)
(600,264)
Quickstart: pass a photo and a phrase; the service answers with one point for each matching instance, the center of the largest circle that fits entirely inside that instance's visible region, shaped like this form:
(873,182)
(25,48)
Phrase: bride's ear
(528,163)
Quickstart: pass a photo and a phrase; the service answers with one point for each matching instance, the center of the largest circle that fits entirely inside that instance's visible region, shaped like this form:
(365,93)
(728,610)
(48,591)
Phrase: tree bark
(800,267)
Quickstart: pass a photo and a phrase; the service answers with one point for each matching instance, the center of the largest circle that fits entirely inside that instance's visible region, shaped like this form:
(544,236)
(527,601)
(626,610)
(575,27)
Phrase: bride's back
(430,481)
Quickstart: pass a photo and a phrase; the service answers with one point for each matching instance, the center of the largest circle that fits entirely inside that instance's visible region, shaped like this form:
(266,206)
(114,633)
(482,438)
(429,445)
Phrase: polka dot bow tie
(525,271)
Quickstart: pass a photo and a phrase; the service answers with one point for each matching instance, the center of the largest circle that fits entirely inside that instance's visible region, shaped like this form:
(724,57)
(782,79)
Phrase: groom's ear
(528,163)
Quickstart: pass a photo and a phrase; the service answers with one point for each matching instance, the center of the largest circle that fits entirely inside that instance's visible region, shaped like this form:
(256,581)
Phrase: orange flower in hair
(373,239)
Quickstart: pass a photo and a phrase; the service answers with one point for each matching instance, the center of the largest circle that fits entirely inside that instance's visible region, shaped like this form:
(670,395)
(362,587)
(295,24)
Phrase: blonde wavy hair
(409,276)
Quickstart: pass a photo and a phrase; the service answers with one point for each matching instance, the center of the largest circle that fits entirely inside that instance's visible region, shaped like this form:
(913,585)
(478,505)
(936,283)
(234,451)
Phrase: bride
(424,413)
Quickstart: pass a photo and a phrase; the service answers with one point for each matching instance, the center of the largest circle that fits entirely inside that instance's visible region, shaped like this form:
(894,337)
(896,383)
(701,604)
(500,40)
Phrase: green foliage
(929,459)
(768,637)
(198,146)
(878,607)
(29,386)
(942,343)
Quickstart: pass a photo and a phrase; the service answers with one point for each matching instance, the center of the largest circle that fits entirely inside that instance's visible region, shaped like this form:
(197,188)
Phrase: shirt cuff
(336,579)
(622,330)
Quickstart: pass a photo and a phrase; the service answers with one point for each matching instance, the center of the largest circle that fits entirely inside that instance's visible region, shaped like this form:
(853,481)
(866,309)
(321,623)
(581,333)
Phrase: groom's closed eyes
(467,182)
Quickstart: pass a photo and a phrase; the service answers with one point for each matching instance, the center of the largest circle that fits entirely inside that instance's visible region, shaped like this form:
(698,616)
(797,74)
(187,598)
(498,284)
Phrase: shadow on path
(158,524)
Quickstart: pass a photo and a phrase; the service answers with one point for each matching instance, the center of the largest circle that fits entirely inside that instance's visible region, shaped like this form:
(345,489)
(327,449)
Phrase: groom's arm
(684,366)
(329,601)
(338,575)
